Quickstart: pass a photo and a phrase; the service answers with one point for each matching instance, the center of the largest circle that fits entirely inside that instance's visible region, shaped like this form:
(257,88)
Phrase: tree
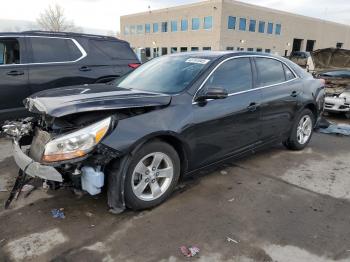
(53,19)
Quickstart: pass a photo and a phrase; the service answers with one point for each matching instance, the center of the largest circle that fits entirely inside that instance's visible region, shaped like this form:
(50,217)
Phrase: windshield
(166,74)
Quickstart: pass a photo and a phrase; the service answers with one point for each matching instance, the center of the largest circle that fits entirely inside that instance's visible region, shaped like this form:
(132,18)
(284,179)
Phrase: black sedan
(170,117)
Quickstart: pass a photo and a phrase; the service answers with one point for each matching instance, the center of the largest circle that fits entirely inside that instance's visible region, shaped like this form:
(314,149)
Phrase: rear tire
(302,131)
(152,175)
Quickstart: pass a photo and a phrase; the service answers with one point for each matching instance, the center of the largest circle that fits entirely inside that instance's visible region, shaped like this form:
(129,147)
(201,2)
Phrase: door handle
(294,94)
(15,73)
(85,69)
(252,107)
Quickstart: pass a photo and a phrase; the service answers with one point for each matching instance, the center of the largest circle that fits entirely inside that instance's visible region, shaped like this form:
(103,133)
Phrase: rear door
(224,127)
(56,62)
(280,91)
(13,77)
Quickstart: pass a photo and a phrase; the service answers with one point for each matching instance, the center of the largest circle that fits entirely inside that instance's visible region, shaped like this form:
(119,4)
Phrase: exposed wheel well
(313,109)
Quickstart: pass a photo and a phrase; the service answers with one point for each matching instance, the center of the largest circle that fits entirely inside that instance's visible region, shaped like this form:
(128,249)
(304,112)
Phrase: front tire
(152,175)
(302,131)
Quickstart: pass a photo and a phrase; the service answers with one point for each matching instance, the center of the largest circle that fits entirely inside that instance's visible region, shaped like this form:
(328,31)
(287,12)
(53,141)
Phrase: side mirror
(213,93)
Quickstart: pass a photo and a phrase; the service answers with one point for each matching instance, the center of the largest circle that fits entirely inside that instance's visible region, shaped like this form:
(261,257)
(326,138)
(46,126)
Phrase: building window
(155,52)
(252,25)
(231,24)
(164,50)
(148,52)
(194,48)
(242,24)
(230,48)
(207,48)
(147,28)
(261,27)
(126,30)
(310,45)
(259,50)
(339,45)
(250,49)
(183,49)
(270,28)
(208,22)
(184,25)
(132,30)
(155,28)
(278,29)
(195,23)
(173,26)
(164,27)
(267,50)
(173,50)
(139,29)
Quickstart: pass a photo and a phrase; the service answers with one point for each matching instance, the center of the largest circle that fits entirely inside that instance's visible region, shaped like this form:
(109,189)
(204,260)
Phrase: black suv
(34,61)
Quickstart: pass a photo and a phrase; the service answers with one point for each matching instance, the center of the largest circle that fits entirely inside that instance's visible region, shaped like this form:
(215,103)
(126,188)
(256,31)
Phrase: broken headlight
(76,144)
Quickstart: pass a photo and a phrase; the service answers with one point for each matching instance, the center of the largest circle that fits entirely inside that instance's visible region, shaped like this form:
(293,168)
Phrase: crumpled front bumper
(32,168)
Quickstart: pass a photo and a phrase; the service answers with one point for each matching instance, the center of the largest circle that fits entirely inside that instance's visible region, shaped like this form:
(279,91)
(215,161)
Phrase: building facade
(229,25)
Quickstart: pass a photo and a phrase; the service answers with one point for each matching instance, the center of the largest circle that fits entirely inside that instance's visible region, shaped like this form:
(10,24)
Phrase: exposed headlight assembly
(76,144)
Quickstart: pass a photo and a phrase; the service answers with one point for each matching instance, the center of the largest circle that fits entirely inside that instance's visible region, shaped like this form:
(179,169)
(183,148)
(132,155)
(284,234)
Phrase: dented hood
(77,99)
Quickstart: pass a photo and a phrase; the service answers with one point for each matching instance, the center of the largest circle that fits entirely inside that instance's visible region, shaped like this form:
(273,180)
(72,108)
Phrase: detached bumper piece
(32,168)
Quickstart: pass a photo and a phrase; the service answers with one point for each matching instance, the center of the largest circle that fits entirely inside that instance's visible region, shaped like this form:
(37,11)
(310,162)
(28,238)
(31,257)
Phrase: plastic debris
(338,129)
(27,189)
(231,200)
(57,213)
(231,240)
(189,251)
(223,172)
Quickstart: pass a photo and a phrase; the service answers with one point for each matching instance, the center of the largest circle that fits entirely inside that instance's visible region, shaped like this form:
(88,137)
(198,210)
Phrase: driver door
(225,127)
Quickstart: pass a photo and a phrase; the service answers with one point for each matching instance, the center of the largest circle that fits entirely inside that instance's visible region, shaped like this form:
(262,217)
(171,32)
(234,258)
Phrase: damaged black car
(170,117)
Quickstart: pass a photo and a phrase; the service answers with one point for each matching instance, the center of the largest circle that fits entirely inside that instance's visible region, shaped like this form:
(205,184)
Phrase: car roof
(219,54)
(59,34)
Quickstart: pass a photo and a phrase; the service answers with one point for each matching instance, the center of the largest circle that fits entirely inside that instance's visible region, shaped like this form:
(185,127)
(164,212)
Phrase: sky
(104,14)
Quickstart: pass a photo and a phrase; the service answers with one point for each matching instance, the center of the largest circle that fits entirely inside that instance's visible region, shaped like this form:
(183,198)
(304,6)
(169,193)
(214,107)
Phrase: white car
(338,103)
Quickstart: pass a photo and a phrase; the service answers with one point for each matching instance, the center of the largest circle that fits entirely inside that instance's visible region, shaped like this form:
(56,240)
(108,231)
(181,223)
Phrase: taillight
(134,66)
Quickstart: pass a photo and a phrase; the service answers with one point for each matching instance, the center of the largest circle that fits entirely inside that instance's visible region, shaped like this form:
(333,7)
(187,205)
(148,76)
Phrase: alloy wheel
(152,176)
(304,129)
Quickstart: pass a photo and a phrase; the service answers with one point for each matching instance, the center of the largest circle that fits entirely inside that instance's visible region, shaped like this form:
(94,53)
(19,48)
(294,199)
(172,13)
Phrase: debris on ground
(57,213)
(231,200)
(223,172)
(190,251)
(228,239)
(27,189)
(88,214)
(338,129)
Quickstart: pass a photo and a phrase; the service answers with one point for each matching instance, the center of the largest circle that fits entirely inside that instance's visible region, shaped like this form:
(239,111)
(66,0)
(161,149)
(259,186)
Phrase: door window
(9,52)
(234,75)
(289,74)
(46,50)
(270,71)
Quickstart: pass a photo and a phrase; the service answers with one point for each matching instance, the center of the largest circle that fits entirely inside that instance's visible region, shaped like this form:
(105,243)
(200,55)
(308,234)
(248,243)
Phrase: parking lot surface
(276,205)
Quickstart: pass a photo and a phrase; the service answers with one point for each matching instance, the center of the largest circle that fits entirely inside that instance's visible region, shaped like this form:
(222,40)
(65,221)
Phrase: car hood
(59,102)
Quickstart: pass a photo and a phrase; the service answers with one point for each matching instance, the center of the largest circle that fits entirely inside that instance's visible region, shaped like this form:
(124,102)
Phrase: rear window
(9,51)
(46,50)
(270,71)
(114,49)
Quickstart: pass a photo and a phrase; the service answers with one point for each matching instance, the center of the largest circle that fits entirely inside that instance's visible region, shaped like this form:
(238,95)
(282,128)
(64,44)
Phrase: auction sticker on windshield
(197,61)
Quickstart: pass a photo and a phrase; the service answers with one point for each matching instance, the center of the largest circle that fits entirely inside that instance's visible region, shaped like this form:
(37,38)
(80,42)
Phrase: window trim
(81,49)
(245,91)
